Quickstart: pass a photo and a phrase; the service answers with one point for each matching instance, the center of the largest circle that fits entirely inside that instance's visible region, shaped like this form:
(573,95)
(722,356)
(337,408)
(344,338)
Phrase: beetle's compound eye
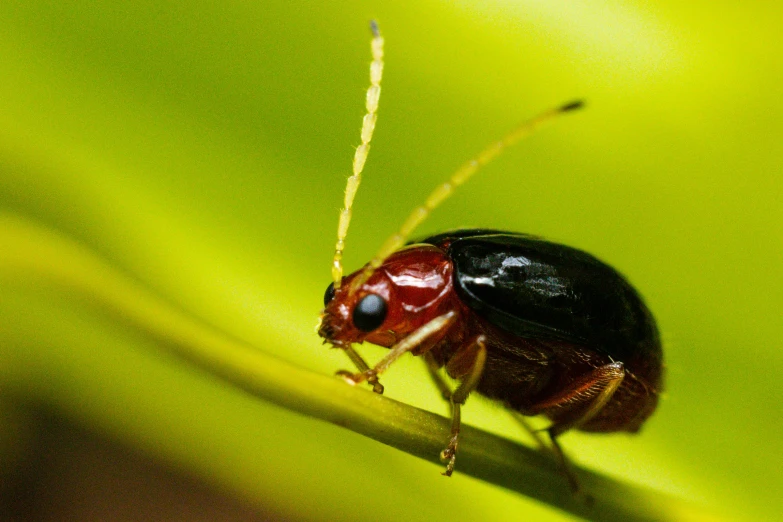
(329,294)
(369,313)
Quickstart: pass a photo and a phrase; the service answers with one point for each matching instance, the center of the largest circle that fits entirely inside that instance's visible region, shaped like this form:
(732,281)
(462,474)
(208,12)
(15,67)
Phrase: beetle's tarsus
(449,456)
(370,376)
(347,376)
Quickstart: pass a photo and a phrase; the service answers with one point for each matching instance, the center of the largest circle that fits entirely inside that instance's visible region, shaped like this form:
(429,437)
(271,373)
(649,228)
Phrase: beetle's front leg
(363,368)
(432,330)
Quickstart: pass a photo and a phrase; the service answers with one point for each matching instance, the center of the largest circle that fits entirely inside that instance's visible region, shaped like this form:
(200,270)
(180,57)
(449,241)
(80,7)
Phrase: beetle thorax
(415,283)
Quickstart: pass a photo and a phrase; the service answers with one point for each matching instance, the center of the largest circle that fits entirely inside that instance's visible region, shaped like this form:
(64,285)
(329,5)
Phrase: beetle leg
(530,430)
(582,400)
(576,405)
(460,395)
(439,325)
(565,464)
(362,366)
(432,367)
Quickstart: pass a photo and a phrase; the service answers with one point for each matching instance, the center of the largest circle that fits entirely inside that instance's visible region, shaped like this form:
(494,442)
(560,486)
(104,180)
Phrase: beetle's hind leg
(460,395)
(576,405)
(565,465)
(552,449)
(534,433)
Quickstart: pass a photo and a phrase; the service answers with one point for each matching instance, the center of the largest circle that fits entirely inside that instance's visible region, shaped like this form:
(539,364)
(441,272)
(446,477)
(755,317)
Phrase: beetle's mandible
(544,328)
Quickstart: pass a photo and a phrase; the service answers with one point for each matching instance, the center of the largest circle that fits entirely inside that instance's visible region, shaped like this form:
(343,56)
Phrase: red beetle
(544,328)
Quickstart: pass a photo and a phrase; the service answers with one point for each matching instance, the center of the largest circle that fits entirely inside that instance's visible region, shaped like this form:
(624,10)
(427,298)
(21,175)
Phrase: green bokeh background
(202,148)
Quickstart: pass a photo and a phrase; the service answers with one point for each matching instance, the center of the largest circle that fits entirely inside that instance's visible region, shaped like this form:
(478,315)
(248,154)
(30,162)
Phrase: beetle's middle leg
(432,367)
(474,354)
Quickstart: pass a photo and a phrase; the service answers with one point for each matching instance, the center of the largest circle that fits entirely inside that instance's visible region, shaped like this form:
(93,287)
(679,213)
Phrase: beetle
(543,328)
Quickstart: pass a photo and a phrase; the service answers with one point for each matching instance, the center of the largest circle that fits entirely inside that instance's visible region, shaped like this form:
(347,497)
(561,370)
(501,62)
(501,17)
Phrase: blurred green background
(202,148)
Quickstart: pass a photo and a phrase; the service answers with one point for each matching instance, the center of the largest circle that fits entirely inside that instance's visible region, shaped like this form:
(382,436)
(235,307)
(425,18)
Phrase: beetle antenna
(360,156)
(464,173)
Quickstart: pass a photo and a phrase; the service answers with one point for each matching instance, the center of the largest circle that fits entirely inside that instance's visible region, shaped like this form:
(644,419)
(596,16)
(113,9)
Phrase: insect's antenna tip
(376,32)
(572,106)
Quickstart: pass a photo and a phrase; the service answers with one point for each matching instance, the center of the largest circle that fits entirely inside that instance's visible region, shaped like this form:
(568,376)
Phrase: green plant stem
(30,254)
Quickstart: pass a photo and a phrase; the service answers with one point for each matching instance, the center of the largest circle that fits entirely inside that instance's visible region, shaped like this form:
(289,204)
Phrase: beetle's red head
(410,288)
